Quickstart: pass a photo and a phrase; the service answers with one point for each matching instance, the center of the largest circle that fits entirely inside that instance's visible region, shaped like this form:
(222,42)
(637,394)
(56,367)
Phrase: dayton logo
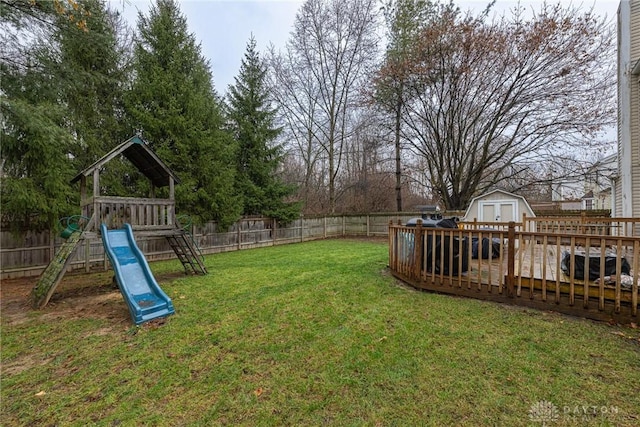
(544,412)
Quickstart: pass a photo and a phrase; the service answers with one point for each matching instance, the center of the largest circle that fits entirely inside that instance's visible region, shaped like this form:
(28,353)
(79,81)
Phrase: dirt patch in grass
(79,295)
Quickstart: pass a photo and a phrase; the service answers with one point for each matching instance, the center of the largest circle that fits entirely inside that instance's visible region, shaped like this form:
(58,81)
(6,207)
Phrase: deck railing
(601,226)
(594,276)
(604,226)
(141,213)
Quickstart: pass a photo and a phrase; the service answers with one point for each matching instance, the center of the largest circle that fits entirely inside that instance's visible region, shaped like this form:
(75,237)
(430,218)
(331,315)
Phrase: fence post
(87,256)
(392,247)
(274,231)
(368,225)
(324,225)
(52,245)
(511,258)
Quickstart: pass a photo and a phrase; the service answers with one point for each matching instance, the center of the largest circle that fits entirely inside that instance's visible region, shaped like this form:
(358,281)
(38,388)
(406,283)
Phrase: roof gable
(138,152)
(506,194)
(489,193)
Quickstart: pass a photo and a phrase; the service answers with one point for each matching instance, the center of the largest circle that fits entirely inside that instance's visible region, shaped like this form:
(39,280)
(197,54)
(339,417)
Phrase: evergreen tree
(252,121)
(174,103)
(34,168)
(94,68)
(62,79)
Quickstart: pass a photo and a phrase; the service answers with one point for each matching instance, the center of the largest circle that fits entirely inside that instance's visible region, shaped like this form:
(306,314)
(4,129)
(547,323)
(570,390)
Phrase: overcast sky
(223,27)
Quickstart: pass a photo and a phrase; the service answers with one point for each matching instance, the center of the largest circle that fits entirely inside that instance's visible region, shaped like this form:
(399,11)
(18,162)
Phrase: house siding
(635,106)
(622,106)
(627,191)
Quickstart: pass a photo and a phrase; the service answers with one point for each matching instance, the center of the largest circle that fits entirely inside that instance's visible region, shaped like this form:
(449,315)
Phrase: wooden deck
(526,270)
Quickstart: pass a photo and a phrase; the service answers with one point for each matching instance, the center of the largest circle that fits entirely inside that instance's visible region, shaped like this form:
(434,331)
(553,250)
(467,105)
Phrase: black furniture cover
(438,248)
(594,265)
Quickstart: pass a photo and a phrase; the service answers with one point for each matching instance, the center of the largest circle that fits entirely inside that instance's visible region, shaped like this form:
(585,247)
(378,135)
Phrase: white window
(588,204)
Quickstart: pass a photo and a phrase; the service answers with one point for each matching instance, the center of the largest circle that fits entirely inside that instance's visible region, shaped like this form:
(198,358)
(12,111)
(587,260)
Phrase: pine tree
(174,104)
(34,167)
(35,170)
(253,123)
(94,69)
(62,79)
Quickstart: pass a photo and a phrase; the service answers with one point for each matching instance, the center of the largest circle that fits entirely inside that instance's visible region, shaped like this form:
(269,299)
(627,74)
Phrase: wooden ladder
(187,252)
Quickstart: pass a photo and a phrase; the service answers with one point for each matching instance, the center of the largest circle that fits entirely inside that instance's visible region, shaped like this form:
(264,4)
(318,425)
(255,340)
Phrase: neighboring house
(567,189)
(626,196)
(592,190)
(597,184)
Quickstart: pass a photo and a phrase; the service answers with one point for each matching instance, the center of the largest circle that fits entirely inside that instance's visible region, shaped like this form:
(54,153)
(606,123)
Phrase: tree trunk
(398,164)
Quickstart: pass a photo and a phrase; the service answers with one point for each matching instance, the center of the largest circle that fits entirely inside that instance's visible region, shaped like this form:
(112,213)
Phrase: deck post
(97,207)
(583,221)
(83,189)
(511,258)
(418,250)
(391,233)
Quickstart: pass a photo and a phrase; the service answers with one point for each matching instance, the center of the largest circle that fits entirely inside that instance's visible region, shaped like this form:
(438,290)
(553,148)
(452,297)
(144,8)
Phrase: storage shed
(498,206)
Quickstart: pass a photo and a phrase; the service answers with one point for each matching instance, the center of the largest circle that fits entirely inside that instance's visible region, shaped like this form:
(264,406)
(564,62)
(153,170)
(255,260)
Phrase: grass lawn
(315,333)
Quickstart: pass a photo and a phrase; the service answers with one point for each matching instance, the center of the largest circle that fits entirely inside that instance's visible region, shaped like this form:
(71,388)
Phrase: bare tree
(335,43)
(297,96)
(404,19)
(491,99)
(366,181)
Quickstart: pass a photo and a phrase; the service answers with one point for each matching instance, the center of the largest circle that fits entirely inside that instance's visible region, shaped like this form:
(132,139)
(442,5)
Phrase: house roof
(605,164)
(589,195)
(138,152)
(605,191)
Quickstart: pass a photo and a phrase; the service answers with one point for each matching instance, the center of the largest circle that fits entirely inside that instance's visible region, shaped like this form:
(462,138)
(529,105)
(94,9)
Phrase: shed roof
(138,152)
(504,193)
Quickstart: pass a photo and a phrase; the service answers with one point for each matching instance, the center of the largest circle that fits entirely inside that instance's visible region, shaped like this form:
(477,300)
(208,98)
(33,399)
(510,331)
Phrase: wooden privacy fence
(29,253)
(590,275)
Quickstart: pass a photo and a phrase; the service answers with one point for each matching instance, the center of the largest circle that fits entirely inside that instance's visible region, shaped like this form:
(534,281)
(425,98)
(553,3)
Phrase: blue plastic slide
(144,297)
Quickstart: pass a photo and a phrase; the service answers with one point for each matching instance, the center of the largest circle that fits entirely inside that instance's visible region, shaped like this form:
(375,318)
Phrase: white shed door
(497,210)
